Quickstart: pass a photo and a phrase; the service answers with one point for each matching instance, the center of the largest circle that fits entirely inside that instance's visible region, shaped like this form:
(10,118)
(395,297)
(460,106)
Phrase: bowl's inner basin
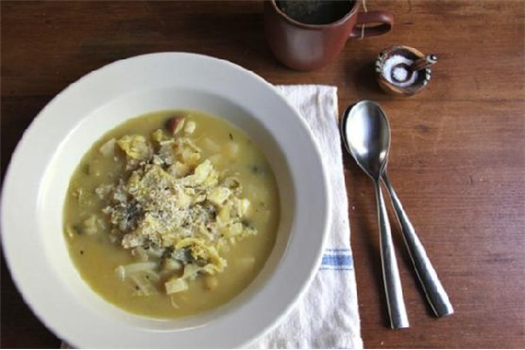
(65,164)
(171,213)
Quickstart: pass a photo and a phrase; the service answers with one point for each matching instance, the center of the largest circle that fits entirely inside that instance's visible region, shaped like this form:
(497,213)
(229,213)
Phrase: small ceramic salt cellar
(403,70)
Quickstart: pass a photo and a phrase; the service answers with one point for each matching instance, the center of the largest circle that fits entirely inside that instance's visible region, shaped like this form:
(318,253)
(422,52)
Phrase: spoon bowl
(366,133)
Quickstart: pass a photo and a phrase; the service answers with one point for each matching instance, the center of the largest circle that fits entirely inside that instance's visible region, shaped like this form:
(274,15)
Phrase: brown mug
(306,46)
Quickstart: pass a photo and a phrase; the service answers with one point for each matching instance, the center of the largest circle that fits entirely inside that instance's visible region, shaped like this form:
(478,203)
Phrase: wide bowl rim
(304,273)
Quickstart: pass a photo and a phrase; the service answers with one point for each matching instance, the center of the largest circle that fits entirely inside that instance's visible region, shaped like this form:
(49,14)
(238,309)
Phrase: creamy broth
(97,255)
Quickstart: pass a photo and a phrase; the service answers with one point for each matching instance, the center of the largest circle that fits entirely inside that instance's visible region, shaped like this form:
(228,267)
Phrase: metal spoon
(367,137)
(435,293)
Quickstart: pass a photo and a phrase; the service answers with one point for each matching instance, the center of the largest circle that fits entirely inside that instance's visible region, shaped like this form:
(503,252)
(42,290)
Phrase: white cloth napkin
(327,315)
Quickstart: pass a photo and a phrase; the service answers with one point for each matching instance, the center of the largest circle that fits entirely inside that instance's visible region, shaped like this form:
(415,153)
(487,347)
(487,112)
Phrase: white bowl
(36,182)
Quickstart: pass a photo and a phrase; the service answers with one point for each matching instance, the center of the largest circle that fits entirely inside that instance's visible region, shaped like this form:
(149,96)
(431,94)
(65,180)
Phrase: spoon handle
(392,282)
(423,62)
(435,293)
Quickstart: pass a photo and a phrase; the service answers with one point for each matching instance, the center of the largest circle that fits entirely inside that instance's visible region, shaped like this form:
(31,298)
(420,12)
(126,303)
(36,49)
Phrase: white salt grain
(398,73)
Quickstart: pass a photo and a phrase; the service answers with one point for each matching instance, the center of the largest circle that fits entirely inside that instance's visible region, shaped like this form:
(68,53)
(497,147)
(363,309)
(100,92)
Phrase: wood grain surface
(458,149)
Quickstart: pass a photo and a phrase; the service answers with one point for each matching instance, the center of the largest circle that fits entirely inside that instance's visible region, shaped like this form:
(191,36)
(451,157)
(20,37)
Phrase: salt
(398,76)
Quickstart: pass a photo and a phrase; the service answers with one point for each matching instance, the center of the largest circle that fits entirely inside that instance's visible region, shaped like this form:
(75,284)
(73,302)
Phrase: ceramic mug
(305,46)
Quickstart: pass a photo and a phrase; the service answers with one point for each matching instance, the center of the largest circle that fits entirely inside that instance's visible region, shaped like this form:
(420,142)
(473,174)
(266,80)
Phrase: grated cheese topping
(176,203)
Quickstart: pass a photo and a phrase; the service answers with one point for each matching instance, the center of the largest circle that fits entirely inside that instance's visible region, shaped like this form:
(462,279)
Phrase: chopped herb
(77,229)
(167,253)
(231,136)
(137,288)
(247,224)
(87,169)
(201,262)
(256,169)
(212,211)
(183,255)
(81,252)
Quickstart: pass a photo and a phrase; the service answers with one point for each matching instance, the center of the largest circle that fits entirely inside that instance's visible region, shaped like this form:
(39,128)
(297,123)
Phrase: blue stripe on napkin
(337,259)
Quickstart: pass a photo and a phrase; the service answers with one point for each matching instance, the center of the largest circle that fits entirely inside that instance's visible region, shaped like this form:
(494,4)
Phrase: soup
(316,11)
(171,213)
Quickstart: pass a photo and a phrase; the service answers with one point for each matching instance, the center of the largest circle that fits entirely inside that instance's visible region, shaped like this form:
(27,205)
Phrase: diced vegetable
(224,215)
(179,170)
(159,136)
(140,253)
(72,231)
(176,285)
(190,156)
(102,191)
(232,230)
(244,205)
(218,195)
(123,271)
(108,149)
(166,154)
(151,275)
(174,303)
(120,271)
(169,264)
(191,271)
(202,171)
(183,200)
(190,127)
(135,146)
(141,275)
(155,251)
(92,225)
(143,285)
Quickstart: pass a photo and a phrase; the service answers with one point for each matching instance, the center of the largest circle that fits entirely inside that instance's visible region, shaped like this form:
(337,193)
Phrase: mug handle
(385,20)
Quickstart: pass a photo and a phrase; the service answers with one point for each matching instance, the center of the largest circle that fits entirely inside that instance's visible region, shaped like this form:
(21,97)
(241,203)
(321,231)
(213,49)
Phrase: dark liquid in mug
(316,11)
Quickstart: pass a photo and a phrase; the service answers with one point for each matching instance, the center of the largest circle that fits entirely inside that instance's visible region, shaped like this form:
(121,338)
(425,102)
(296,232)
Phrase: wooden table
(457,158)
